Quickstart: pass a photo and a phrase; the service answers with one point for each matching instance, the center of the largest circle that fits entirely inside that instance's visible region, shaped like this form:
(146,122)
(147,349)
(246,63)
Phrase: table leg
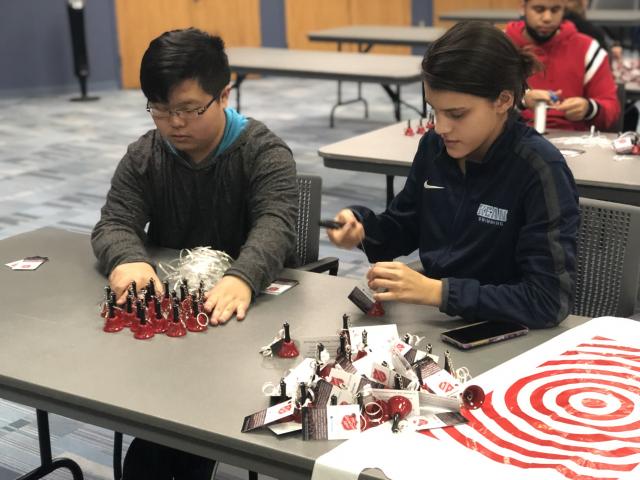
(47,463)
(117,455)
(239,79)
(390,193)
(397,101)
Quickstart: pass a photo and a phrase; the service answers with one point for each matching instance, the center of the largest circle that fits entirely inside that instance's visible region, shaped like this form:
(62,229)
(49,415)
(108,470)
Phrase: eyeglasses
(186,114)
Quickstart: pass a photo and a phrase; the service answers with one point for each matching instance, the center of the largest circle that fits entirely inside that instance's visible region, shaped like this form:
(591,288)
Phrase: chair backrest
(608,259)
(307,228)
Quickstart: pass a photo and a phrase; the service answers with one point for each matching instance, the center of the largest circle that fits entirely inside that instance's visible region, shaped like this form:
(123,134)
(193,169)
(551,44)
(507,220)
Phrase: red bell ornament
(176,328)
(288,349)
(399,408)
(472,397)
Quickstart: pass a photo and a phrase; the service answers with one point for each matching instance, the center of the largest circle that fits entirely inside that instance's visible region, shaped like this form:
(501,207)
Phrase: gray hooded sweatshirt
(244,202)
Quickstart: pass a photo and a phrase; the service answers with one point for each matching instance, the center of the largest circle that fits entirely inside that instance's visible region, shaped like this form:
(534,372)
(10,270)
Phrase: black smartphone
(326,223)
(482,333)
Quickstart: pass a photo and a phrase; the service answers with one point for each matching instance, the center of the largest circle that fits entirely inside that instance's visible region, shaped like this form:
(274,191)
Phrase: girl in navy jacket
(490,204)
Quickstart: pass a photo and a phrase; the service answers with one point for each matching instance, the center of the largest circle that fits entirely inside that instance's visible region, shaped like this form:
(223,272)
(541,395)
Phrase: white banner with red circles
(568,409)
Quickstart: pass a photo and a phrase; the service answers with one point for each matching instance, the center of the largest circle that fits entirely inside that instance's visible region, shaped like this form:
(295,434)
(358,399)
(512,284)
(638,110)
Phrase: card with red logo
(268,415)
(344,380)
(436,379)
(381,374)
(28,263)
(339,422)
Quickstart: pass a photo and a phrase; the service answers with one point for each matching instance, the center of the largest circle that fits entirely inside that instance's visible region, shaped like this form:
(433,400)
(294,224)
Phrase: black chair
(608,259)
(307,249)
(308,229)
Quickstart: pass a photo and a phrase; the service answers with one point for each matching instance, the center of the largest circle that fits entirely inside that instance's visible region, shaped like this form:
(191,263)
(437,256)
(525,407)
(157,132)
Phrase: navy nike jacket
(502,237)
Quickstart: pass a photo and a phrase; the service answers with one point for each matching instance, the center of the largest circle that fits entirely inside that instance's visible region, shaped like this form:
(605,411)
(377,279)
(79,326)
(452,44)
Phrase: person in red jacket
(576,83)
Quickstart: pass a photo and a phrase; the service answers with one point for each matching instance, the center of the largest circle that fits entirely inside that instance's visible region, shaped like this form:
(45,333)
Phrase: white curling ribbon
(463,375)
(195,265)
(266,351)
(414,340)
(270,390)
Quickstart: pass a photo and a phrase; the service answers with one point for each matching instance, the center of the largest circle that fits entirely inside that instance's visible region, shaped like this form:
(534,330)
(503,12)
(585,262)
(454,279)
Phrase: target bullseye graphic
(577,415)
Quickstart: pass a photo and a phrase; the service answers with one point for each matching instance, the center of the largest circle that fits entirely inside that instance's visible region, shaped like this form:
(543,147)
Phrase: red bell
(144,329)
(473,397)
(399,408)
(176,327)
(420,130)
(128,315)
(288,349)
(377,412)
(409,131)
(377,310)
(431,123)
(113,322)
(192,318)
(160,323)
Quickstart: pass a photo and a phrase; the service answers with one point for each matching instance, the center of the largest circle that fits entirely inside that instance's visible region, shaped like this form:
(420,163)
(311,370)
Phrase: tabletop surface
(55,356)
(322,64)
(600,16)
(389,146)
(382,34)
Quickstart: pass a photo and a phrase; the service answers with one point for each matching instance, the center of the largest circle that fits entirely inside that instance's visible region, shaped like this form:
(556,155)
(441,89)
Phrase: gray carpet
(56,161)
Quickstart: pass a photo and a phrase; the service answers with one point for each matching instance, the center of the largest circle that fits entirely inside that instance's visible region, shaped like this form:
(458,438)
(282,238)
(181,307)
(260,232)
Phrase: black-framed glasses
(184,114)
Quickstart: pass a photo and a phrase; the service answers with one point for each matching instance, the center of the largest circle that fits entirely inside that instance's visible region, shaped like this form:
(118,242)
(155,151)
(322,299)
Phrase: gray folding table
(386,70)
(606,18)
(388,151)
(366,36)
(190,393)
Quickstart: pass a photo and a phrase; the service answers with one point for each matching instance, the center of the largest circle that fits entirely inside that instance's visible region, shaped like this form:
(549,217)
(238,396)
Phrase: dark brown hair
(478,59)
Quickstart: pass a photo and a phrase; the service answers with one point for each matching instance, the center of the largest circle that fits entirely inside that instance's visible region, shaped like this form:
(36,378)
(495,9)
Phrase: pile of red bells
(148,315)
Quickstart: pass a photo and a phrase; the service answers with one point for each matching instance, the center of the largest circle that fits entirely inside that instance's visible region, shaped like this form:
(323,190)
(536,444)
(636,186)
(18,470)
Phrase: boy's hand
(122,276)
(231,295)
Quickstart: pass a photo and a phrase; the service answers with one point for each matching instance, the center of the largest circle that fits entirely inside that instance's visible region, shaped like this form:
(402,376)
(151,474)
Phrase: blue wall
(273,23)
(35,47)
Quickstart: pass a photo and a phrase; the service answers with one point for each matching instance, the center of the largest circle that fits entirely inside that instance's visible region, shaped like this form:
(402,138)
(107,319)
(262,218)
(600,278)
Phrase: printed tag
(437,380)
(344,380)
(338,422)
(304,372)
(28,263)
(381,374)
(267,416)
(279,286)
(309,345)
(285,427)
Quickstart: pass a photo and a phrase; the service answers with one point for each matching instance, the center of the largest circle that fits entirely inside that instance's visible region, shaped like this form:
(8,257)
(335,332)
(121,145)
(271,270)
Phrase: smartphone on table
(482,333)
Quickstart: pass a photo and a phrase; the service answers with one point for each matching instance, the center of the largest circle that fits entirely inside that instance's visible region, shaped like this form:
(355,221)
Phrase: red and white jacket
(577,65)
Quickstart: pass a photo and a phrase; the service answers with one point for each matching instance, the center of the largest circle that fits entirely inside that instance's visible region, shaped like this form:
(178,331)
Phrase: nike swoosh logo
(431,187)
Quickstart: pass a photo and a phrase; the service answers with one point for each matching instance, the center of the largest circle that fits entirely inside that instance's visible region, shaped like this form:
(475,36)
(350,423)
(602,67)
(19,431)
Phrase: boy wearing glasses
(205,176)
